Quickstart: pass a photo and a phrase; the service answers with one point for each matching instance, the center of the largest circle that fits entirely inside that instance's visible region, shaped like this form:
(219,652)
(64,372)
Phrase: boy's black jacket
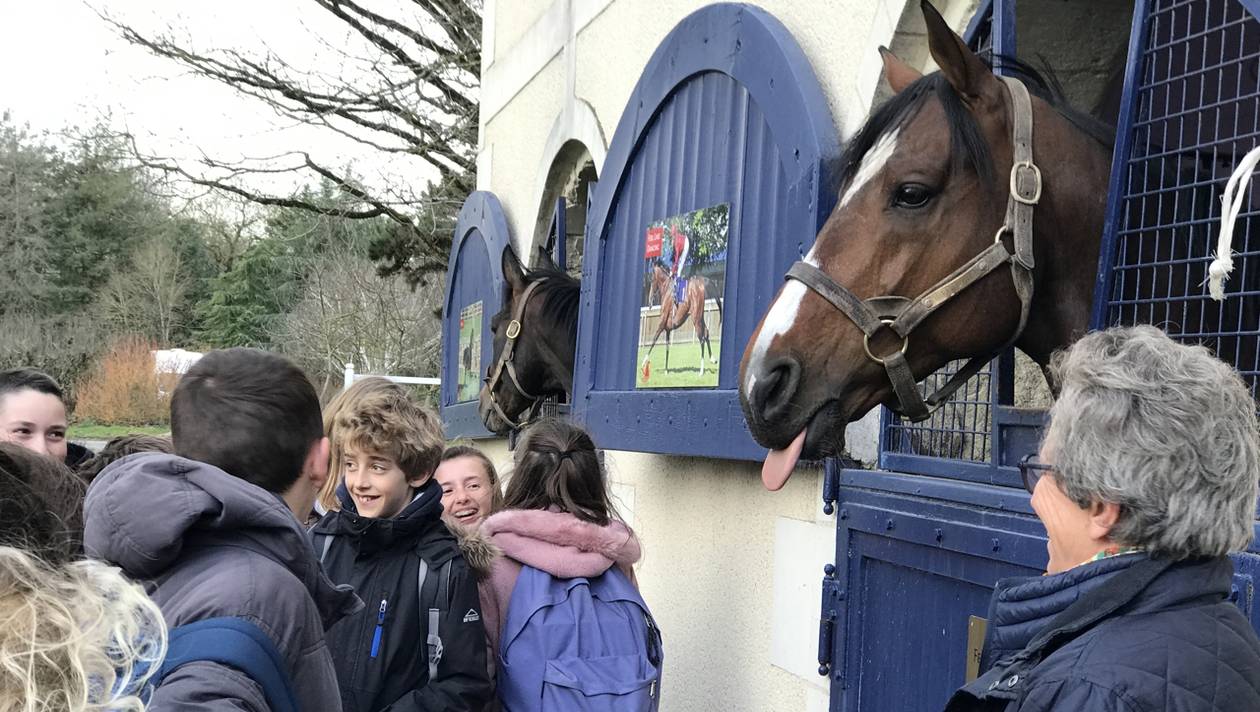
(381,559)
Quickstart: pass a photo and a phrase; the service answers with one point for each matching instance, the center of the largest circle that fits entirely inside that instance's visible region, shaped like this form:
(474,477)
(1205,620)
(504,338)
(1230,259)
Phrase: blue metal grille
(1193,101)
(958,431)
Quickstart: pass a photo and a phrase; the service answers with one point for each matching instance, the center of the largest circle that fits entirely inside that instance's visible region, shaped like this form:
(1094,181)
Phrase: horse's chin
(824,436)
(491,419)
(826,428)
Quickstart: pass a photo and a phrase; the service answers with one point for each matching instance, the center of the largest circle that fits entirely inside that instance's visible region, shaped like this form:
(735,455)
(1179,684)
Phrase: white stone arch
(577,124)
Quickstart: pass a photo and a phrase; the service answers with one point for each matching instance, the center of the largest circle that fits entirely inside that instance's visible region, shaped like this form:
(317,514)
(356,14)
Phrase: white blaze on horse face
(782,314)
(779,319)
(872,163)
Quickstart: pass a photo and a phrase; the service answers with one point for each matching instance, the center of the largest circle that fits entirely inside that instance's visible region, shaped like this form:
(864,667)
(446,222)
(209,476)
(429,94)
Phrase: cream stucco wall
(731,571)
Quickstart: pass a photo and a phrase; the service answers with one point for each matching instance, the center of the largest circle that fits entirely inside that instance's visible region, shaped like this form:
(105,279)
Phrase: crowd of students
(273,556)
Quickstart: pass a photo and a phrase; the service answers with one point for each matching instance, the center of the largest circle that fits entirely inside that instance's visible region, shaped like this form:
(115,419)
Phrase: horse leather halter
(901,315)
(506,362)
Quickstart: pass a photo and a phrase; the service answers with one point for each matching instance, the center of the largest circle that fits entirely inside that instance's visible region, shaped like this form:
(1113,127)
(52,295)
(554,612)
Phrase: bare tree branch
(407,86)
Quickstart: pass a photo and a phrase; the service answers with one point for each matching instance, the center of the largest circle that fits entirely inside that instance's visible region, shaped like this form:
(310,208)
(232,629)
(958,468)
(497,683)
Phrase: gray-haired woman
(1146,480)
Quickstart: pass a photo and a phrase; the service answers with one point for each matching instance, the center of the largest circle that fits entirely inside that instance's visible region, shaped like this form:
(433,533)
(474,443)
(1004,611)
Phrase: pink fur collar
(560,543)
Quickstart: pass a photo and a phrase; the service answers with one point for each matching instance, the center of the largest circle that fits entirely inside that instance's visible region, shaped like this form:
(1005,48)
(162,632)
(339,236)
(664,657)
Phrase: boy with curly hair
(419,644)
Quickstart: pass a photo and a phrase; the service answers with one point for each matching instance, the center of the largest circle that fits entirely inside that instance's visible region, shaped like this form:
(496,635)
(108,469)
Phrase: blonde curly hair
(379,415)
(74,638)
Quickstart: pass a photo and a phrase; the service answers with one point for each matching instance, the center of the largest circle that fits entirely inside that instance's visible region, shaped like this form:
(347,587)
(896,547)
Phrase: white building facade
(732,572)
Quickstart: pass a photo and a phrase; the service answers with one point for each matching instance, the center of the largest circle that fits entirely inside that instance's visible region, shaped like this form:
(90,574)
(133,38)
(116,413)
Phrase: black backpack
(435,599)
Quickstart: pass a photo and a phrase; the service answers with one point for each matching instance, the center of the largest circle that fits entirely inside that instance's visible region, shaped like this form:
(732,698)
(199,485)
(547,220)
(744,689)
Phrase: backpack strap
(436,590)
(237,643)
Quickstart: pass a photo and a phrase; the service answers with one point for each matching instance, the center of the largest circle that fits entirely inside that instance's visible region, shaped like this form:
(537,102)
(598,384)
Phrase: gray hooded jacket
(207,544)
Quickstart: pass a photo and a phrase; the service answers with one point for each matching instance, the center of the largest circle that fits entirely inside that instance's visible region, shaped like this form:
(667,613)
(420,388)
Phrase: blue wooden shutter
(727,111)
(473,275)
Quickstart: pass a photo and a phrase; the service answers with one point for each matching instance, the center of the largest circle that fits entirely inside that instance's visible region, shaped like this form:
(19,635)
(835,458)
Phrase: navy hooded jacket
(389,670)
(1124,634)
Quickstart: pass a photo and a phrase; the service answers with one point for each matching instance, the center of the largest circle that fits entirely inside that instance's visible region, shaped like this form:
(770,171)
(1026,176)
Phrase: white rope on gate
(1231,203)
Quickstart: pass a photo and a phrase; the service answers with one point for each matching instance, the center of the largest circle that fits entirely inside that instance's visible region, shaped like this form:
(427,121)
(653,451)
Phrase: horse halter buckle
(513,330)
(1018,171)
(866,342)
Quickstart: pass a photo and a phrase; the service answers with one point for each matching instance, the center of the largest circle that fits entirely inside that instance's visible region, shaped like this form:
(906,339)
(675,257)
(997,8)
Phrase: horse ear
(543,259)
(513,272)
(964,71)
(899,74)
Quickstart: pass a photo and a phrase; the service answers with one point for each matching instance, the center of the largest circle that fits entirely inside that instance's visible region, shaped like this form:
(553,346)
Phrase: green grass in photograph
(684,367)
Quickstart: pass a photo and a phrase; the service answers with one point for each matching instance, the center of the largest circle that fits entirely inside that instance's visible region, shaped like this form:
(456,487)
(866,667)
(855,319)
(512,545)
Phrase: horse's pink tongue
(779,463)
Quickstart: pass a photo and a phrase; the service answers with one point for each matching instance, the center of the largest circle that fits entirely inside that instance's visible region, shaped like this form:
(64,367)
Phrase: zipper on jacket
(380,626)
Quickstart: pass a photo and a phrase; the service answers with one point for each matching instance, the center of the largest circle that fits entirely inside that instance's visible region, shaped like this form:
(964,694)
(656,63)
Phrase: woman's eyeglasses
(1031,468)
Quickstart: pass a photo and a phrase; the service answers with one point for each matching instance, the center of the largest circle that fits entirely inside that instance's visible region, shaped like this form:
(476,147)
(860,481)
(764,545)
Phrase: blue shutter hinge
(831,597)
(831,484)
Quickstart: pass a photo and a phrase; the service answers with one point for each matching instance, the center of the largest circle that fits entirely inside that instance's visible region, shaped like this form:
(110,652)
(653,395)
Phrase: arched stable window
(717,175)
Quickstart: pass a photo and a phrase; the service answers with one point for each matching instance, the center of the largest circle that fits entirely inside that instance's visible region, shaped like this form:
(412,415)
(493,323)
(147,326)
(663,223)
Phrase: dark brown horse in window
(544,302)
(926,188)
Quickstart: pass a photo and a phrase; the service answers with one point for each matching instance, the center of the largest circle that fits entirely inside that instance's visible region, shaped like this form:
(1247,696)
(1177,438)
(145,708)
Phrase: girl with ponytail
(558,469)
(557,517)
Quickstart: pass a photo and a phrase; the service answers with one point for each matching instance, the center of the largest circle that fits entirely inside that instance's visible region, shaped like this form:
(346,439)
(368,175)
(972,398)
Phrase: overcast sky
(61,65)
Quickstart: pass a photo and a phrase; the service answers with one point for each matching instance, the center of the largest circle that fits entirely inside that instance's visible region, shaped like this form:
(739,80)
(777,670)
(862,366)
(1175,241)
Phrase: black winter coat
(1124,634)
(76,455)
(381,559)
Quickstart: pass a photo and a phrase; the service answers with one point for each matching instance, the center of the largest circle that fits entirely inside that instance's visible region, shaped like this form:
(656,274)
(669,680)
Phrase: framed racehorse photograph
(684,275)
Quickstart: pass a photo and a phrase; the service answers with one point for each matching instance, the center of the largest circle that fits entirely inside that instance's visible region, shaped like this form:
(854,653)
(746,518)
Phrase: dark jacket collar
(1022,606)
(373,535)
(1036,615)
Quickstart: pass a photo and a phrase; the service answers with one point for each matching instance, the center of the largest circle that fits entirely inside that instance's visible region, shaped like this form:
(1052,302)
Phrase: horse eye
(912,195)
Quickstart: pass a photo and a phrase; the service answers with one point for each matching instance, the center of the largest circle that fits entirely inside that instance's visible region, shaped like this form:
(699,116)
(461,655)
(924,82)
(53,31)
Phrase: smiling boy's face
(377,484)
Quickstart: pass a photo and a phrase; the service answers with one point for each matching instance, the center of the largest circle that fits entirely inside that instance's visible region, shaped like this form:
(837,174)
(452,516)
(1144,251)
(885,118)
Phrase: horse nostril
(774,388)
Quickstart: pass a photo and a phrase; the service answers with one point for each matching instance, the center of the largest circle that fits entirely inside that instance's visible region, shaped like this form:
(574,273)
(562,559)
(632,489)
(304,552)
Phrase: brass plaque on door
(976,627)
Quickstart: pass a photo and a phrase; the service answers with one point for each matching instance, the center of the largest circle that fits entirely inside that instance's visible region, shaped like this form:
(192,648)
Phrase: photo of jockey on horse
(685,274)
(682,246)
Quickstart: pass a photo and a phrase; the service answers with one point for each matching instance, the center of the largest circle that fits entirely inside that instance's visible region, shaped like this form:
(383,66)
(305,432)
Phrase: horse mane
(968,147)
(1045,85)
(559,294)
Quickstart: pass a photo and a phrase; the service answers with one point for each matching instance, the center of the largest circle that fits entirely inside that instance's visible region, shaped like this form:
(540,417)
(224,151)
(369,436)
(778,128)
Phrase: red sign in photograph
(655,236)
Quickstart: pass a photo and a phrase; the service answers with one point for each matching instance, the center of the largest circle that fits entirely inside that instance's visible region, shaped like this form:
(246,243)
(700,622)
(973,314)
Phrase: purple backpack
(580,645)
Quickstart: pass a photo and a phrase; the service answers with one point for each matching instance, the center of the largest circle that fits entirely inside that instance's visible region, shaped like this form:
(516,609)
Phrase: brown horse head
(924,189)
(544,302)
